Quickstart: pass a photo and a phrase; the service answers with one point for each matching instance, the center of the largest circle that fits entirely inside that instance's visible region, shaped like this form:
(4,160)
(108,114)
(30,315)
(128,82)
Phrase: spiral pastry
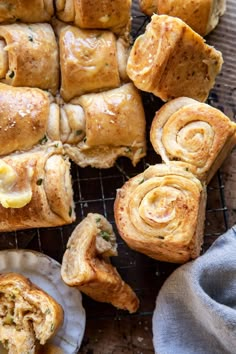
(194,133)
(161,212)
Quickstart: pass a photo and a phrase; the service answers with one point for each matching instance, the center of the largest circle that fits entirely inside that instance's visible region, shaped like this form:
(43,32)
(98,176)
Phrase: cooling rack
(95,191)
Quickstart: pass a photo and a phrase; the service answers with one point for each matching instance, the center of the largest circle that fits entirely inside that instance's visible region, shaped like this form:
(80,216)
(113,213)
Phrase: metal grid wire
(94,191)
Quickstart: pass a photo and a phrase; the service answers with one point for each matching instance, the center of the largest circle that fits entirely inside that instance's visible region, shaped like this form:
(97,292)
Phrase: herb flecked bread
(29,317)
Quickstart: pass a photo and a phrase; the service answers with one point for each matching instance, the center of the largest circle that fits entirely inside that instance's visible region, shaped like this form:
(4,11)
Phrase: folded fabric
(196,307)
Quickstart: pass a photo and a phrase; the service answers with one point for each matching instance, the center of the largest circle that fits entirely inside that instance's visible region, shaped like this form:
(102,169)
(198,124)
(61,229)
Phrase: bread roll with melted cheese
(201,15)
(171,60)
(161,213)
(104,14)
(28,315)
(27,117)
(26,11)
(29,56)
(100,127)
(91,61)
(35,189)
(195,133)
(86,264)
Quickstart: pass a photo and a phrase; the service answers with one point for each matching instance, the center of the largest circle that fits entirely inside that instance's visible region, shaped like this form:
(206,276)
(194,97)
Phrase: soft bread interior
(3,59)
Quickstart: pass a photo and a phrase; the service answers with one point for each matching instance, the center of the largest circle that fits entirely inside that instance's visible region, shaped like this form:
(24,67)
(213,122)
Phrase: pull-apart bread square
(171,60)
(26,11)
(91,61)
(35,189)
(86,264)
(29,317)
(161,213)
(104,14)
(29,56)
(201,15)
(194,133)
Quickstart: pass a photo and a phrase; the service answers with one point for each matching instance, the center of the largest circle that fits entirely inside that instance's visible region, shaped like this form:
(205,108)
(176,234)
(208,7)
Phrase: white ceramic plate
(45,272)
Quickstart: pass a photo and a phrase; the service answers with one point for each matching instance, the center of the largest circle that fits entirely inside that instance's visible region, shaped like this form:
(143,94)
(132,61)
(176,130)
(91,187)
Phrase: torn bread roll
(26,11)
(171,60)
(161,213)
(35,189)
(104,14)
(201,15)
(29,56)
(100,127)
(28,315)
(91,61)
(27,117)
(86,264)
(195,133)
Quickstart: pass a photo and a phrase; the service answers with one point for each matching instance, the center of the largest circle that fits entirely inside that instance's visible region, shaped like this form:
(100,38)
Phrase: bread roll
(195,133)
(201,15)
(86,264)
(171,60)
(28,315)
(91,61)
(29,56)
(35,189)
(26,11)
(101,127)
(104,14)
(161,213)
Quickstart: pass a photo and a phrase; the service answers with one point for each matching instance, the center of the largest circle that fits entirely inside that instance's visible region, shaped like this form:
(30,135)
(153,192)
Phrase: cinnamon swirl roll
(201,15)
(35,189)
(29,56)
(161,213)
(171,60)
(91,61)
(86,264)
(195,133)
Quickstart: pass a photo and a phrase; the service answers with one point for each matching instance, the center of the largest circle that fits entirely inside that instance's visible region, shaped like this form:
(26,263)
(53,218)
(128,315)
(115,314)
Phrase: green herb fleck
(79,132)
(105,235)
(13,296)
(52,327)
(39,182)
(56,145)
(12,74)
(98,219)
(70,211)
(128,149)
(48,311)
(43,140)
(186,169)
(106,64)
(31,38)
(142,180)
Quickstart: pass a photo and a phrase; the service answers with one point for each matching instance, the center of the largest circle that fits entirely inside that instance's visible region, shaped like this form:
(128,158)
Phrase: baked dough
(201,15)
(86,264)
(171,60)
(26,11)
(90,61)
(196,133)
(28,315)
(161,213)
(35,189)
(103,14)
(29,56)
(100,127)
(27,117)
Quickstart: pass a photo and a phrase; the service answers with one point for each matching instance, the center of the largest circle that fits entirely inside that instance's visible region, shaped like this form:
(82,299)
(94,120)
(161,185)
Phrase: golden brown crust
(195,133)
(28,310)
(201,15)
(32,56)
(171,60)
(158,213)
(24,116)
(86,264)
(114,125)
(44,176)
(105,14)
(85,55)
(26,11)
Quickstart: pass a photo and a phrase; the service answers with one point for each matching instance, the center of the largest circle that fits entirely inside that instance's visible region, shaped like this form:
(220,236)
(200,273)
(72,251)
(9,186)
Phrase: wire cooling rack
(95,191)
